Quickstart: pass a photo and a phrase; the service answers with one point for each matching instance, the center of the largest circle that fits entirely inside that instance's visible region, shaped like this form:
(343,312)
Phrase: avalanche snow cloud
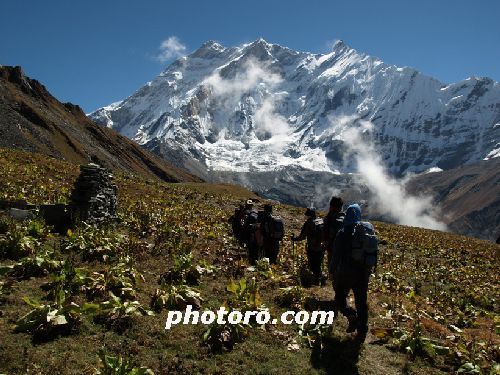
(388,194)
(256,77)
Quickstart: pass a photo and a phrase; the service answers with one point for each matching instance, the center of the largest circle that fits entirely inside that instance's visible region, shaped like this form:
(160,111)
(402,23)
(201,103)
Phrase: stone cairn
(94,195)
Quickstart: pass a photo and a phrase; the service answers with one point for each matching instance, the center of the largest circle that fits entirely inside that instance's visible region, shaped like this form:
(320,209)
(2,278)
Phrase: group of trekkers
(350,244)
(260,231)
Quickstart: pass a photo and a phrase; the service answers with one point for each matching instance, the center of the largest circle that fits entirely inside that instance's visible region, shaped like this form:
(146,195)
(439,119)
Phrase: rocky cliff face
(31,119)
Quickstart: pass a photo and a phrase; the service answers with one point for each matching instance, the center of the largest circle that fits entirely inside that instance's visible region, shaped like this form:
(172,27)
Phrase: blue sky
(93,53)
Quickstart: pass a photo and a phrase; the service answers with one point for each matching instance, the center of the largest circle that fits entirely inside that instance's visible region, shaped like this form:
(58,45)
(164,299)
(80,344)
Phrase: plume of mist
(323,194)
(255,76)
(390,195)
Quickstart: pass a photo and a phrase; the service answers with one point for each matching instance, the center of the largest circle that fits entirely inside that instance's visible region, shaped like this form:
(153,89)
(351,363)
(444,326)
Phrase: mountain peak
(212,44)
(261,41)
(259,49)
(208,49)
(340,46)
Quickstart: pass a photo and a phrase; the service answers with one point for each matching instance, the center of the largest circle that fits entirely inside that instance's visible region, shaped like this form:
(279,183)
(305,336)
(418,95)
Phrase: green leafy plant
(264,269)
(93,243)
(117,313)
(175,297)
(37,228)
(314,334)
(413,342)
(223,337)
(119,279)
(245,295)
(46,321)
(38,265)
(291,297)
(16,244)
(110,365)
(184,271)
(68,279)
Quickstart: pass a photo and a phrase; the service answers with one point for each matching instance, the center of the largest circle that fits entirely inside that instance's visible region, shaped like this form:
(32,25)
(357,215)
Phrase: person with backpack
(236,221)
(353,259)
(273,231)
(334,221)
(251,231)
(312,230)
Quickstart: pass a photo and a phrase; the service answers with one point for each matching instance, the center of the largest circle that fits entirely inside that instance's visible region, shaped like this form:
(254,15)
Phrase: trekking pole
(293,253)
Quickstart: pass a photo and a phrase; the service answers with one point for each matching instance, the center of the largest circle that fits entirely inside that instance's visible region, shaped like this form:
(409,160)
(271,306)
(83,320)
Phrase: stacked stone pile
(94,195)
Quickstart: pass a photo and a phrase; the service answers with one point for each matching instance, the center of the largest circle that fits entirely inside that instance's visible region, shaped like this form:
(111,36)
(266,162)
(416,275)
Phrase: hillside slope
(31,119)
(433,301)
(469,195)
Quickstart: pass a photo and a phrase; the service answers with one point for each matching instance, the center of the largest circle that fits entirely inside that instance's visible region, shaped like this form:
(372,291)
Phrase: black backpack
(251,224)
(364,245)
(275,228)
(317,232)
(334,226)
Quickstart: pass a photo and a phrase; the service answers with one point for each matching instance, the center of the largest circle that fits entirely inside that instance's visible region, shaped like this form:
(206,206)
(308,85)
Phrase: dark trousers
(271,251)
(356,279)
(315,259)
(253,252)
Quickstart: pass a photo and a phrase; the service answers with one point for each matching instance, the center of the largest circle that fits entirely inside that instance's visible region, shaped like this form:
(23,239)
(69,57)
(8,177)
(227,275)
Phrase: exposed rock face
(94,196)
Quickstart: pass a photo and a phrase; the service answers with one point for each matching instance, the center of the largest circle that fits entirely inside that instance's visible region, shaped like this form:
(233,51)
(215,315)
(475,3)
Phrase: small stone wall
(93,200)
(94,195)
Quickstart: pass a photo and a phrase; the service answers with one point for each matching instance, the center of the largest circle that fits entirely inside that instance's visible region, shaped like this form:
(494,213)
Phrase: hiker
(334,221)
(273,231)
(313,231)
(353,258)
(251,232)
(237,220)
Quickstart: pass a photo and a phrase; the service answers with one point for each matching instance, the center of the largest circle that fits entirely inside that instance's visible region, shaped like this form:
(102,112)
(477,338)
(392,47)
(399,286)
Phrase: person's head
(310,212)
(268,209)
(249,204)
(352,215)
(336,204)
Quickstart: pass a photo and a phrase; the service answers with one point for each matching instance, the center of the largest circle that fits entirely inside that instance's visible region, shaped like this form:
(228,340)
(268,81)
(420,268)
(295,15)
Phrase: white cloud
(252,75)
(389,194)
(171,48)
(255,76)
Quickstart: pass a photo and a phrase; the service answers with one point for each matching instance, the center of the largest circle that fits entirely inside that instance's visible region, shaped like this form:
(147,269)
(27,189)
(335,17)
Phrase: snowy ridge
(261,107)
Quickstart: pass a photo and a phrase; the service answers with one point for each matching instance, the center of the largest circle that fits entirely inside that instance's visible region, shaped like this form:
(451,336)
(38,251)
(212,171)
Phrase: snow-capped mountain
(262,107)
